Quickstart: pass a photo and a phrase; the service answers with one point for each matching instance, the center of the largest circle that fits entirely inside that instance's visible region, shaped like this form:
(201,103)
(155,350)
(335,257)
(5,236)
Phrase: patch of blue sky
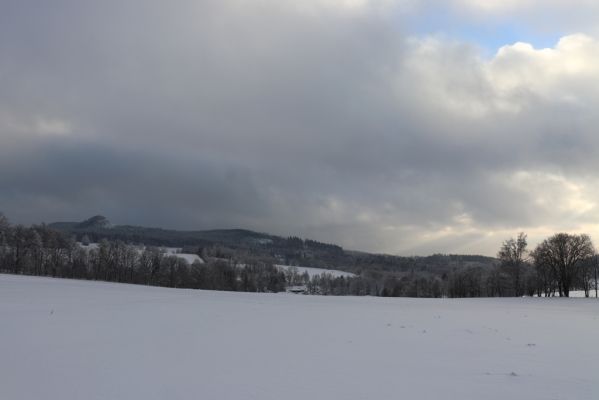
(489,35)
(492,38)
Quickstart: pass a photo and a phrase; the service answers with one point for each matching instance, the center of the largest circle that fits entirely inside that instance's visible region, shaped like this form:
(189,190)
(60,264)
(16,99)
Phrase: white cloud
(453,75)
(449,75)
(563,73)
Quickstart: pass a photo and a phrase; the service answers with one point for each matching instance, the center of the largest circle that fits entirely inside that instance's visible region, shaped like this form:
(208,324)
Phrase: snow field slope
(62,339)
(312,272)
(169,251)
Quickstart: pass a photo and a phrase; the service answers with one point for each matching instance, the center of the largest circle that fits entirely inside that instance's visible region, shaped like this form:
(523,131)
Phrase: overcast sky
(405,127)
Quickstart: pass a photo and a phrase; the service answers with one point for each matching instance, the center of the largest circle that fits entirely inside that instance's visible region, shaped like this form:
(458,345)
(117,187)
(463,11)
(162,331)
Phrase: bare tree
(4,224)
(564,255)
(596,265)
(585,277)
(547,282)
(513,257)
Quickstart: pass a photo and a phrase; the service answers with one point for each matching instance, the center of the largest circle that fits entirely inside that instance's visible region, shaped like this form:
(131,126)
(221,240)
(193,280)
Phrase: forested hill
(249,261)
(98,227)
(289,251)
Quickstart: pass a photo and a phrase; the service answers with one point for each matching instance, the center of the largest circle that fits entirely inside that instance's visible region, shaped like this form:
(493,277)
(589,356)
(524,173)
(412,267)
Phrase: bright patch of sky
(489,34)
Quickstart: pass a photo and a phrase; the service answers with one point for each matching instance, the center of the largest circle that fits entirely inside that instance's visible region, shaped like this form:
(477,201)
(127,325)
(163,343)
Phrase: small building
(300,289)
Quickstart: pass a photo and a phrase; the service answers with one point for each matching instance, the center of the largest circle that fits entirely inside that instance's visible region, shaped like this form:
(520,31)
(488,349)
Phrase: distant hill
(286,251)
(96,222)
(99,227)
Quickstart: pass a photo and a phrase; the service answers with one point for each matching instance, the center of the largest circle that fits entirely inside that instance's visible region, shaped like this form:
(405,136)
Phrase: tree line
(556,266)
(559,264)
(42,251)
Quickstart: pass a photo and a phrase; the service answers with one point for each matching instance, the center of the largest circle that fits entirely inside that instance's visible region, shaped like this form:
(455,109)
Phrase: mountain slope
(99,227)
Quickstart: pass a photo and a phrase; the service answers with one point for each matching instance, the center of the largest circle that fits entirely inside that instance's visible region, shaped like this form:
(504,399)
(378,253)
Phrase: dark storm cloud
(74,179)
(321,118)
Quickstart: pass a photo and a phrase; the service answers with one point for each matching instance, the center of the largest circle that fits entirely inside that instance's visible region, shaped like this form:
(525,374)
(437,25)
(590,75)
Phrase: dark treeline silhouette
(280,250)
(40,250)
(558,265)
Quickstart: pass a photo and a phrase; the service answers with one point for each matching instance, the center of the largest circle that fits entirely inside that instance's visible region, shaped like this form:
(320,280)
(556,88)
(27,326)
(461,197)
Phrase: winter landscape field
(68,339)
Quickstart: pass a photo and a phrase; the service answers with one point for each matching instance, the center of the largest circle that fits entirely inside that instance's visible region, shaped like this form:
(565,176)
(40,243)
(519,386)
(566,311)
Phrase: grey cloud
(328,123)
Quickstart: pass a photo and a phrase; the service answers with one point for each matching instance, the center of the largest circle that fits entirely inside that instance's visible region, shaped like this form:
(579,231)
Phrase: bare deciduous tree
(513,257)
(564,255)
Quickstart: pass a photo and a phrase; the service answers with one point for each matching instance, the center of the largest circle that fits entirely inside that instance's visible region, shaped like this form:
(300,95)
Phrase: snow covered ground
(316,271)
(171,251)
(189,257)
(580,293)
(62,339)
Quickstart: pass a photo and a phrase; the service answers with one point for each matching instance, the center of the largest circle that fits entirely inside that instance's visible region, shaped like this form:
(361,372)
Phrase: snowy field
(175,251)
(63,340)
(312,272)
(171,251)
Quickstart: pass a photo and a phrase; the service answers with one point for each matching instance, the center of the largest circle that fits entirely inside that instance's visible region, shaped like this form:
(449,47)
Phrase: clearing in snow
(66,339)
(312,272)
